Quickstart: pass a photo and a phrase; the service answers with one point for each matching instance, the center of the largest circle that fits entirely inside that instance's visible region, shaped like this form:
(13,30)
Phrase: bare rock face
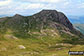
(56,20)
(54,16)
(64,20)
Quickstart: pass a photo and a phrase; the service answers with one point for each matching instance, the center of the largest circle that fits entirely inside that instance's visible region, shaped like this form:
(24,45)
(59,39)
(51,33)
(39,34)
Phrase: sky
(29,7)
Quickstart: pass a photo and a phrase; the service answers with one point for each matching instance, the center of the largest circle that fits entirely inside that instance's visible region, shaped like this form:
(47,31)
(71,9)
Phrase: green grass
(38,44)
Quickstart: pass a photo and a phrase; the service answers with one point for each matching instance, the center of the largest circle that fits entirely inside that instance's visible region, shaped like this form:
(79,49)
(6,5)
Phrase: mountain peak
(17,15)
(54,16)
(45,10)
(48,11)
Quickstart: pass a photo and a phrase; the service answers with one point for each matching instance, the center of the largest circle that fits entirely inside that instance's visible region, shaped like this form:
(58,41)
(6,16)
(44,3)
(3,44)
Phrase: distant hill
(76,19)
(2,16)
(80,27)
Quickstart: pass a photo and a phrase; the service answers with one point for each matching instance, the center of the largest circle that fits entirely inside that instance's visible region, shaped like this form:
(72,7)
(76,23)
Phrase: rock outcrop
(54,16)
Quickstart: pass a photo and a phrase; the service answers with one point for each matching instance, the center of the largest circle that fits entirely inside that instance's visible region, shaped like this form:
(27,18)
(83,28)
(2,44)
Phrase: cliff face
(64,20)
(54,16)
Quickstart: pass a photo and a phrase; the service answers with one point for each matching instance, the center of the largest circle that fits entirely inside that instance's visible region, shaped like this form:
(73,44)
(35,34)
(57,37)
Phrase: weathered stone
(21,47)
(3,49)
(11,37)
(54,16)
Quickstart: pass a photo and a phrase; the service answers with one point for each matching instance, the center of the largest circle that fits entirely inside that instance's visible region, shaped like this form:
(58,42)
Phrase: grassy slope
(42,43)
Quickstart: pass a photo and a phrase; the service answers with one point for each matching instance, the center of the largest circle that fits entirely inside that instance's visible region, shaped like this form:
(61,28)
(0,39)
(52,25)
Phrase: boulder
(21,47)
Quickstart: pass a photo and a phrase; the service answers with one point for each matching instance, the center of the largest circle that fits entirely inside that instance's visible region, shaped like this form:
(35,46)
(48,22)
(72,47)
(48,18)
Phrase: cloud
(46,1)
(66,3)
(30,6)
(5,2)
(22,6)
(26,6)
(81,5)
(10,7)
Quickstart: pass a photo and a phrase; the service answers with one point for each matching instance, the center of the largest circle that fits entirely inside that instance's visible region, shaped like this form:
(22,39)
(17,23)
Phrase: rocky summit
(54,16)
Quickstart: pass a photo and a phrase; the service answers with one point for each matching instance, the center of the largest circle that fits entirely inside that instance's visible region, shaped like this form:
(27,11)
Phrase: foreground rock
(3,49)
(21,47)
(11,37)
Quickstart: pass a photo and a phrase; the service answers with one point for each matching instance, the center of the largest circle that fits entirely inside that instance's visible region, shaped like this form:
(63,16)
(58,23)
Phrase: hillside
(46,33)
(43,20)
